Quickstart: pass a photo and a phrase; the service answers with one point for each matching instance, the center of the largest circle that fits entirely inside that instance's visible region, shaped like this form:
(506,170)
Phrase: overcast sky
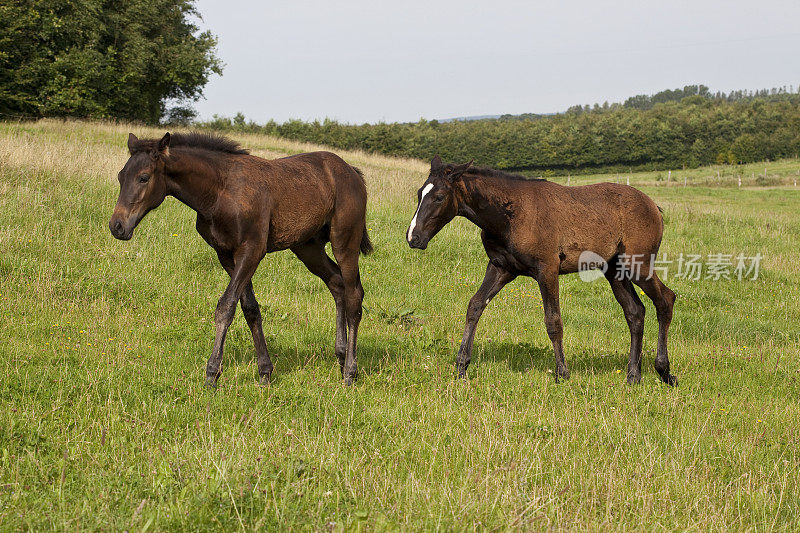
(370,61)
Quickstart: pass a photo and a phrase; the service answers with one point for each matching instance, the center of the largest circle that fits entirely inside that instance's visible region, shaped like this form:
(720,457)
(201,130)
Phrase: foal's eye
(438,198)
(144,178)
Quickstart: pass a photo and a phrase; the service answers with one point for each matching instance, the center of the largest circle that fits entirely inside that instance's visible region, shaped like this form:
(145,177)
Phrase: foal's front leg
(493,281)
(246,261)
(252,314)
(548,285)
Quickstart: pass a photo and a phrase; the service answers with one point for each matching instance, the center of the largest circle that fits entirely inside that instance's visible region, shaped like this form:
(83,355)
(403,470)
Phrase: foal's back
(301,193)
(605,218)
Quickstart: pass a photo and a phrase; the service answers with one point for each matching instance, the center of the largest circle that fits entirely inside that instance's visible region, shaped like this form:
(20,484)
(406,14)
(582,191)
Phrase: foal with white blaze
(540,229)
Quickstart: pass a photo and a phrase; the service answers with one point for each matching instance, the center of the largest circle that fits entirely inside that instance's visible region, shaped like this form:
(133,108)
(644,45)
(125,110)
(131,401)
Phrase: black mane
(206,141)
(492,173)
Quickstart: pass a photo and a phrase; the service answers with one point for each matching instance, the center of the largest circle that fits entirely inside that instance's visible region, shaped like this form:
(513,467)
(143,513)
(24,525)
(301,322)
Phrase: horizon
(790,89)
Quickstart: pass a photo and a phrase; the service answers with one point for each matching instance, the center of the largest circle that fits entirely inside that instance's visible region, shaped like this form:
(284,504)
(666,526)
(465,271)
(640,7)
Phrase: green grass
(106,426)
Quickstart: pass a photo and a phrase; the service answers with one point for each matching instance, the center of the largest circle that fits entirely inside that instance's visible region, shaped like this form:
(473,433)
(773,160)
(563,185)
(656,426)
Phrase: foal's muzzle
(418,242)
(119,229)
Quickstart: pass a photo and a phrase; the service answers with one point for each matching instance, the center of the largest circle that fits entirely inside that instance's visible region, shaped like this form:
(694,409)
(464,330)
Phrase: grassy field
(106,425)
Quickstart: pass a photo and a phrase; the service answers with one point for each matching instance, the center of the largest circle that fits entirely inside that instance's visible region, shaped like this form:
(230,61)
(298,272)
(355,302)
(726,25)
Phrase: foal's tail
(366,244)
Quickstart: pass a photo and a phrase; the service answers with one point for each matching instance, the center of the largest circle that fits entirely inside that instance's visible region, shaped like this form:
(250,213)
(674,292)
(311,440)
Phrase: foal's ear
(163,144)
(133,143)
(436,162)
(460,169)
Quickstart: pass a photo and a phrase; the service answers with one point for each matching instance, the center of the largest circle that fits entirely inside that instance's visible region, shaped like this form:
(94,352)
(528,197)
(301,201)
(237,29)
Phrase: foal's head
(438,204)
(142,185)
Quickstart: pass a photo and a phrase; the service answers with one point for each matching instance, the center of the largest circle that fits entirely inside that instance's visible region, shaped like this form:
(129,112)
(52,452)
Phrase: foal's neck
(194,180)
(486,203)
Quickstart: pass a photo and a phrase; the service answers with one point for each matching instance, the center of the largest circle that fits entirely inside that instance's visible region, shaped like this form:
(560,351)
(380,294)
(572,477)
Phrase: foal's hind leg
(313,256)
(664,299)
(347,257)
(548,285)
(634,311)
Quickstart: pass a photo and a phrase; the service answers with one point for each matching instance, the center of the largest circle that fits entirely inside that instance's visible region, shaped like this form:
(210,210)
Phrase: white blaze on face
(425,191)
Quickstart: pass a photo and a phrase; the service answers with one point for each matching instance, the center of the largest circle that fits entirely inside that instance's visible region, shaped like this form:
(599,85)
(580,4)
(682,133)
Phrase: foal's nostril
(116,227)
(415,242)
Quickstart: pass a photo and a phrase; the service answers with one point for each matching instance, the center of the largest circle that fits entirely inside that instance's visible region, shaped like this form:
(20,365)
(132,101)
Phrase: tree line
(672,129)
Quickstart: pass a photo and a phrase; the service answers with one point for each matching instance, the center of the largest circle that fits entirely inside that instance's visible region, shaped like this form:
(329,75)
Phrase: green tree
(102,58)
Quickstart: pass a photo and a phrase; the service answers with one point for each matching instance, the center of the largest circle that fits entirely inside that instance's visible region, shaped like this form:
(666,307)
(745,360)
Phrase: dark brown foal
(247,207)
(541,229)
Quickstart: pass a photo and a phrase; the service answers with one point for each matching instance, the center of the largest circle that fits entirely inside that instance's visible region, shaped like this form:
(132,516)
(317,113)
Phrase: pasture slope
(106,426)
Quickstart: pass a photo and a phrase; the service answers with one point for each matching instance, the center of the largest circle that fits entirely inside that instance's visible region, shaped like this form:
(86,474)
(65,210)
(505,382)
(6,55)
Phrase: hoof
(561,375)
(265,380)
(634,379)
(350,380)
(670,380)
(211,383)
